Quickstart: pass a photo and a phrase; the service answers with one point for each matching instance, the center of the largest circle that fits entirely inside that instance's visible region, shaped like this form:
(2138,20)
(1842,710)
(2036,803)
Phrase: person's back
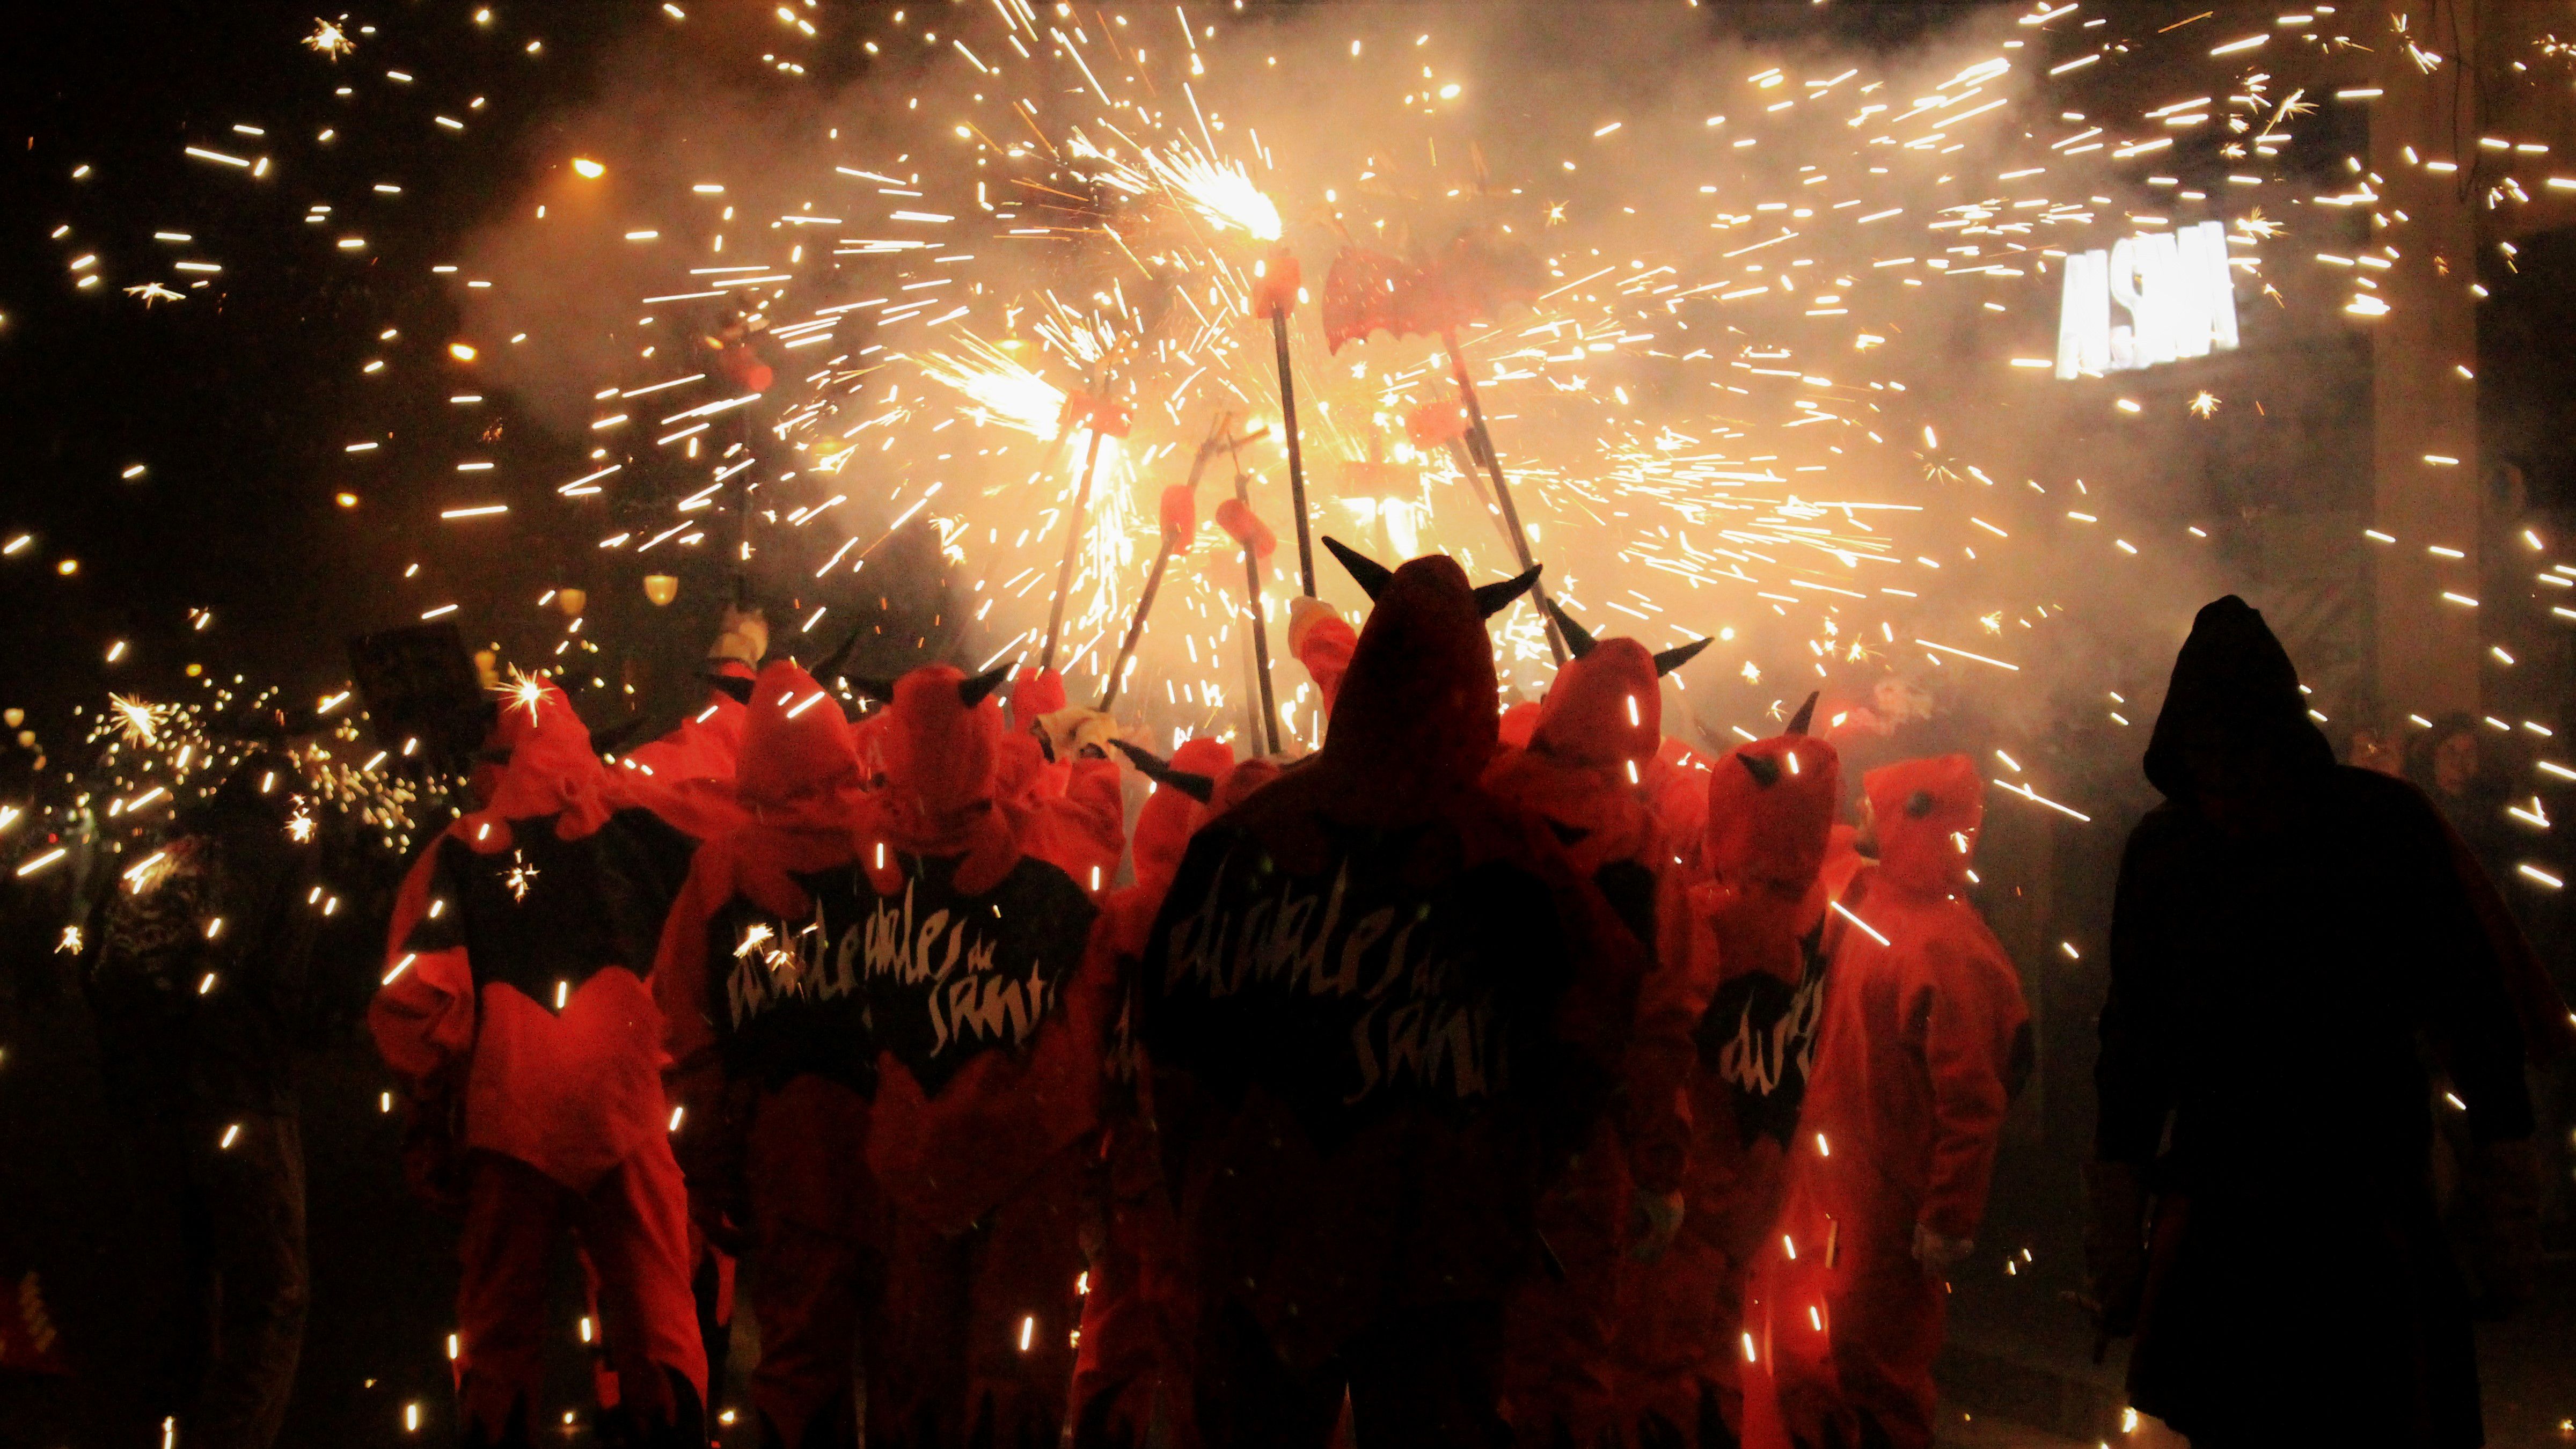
(2290,936)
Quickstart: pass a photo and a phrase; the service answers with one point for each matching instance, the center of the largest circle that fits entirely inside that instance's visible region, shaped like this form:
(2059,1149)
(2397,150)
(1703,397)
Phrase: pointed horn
(1668,660)
(732,684)
(1492,599)
(972,692)
(1197,786)
(1805,716)
(1373,576)
(1576,640)
(1764,770)
(832,663)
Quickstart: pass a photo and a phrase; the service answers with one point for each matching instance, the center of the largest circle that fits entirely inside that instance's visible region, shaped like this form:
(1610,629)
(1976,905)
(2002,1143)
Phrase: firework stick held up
(1444,425)
(1502,490)
(1180,520)
(1257,541)
(1104,418)
(1275,292)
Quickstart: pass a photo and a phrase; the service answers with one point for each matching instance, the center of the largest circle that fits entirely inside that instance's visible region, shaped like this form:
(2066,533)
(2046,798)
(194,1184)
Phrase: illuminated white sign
(2175,288)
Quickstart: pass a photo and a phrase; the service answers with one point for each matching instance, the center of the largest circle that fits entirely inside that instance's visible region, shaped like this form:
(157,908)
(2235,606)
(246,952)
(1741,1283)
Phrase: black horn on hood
(972,692)
(1668,660)
(1577,641)
(1153,767)
(1373,577)
(1492,599)
(1805,716)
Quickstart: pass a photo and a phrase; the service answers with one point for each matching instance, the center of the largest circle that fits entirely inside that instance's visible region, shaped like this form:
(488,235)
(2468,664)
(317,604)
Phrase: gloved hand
(1075,731)
(1938,1254)
(1304,614)
(744,636)
(2115,1248)
(1653,1220)
(2501,1181)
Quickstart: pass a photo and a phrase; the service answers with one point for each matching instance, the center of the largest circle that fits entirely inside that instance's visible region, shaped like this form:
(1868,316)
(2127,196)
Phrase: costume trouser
(1847,1351)
(816,1272)
(1558,1330)
(243,1281)
(975,1343)
(1132,1370)
(1418,1378)
(633,1224)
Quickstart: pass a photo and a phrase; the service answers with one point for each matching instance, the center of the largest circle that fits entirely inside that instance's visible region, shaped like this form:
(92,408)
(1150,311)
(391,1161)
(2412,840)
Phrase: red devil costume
(987,1011)
(1136,1316)
(1728,1027)
(1602,718)
(1376,1022)
(1924,1040)
(772,1061)
(2289,946)
(530,1051)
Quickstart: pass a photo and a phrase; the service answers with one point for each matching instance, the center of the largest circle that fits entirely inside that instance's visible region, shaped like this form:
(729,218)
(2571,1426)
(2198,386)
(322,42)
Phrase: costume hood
(798,766)
(2235,683)
(1771,806)
(941,741)
(1417,712)
(550,767)
(1606,705)
(1926,814)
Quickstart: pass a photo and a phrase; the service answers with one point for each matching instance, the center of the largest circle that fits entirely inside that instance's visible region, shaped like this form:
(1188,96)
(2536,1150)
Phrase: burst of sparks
(526,691)
(70,944)
(331,37)
(152,292)
(2204,403)
(138,722)
(522,875)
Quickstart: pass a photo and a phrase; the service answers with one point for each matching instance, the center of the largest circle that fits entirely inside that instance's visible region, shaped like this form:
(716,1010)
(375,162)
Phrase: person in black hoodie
(197,975)
(2288,938)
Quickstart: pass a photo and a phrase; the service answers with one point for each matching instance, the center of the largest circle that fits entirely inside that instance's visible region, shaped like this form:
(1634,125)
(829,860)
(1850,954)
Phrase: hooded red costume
(1376,1020)
(1924,1040)
(1601,719)
(987,1011)
(523,1035)
(772,1065)
(1133,1368)
(1727,1028)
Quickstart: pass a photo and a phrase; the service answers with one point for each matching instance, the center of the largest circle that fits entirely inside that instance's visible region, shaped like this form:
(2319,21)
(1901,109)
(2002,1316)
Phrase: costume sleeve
(1083,828)
(2547,1030)
(423,1015)
(1973,1020)
(2131,1079)
(2491,1001)
(1324,647)
(1656,1115)
(695,1077)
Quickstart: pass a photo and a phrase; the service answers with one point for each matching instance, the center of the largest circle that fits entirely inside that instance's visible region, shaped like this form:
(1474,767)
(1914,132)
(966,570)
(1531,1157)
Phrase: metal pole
(1296,462)
(1502,490)
(1072,546)
(1252,596)
(1154,579)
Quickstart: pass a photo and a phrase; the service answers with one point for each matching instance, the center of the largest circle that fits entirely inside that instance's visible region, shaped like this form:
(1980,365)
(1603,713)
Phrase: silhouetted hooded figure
(516,1016)
(2287,932)
(1375,1024)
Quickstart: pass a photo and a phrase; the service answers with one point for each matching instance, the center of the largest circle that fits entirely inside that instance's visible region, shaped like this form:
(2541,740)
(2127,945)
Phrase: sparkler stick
(1103,417)
(1252,596)
(1216,438)
(1278,288)
(1072,546)
(1502,490)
